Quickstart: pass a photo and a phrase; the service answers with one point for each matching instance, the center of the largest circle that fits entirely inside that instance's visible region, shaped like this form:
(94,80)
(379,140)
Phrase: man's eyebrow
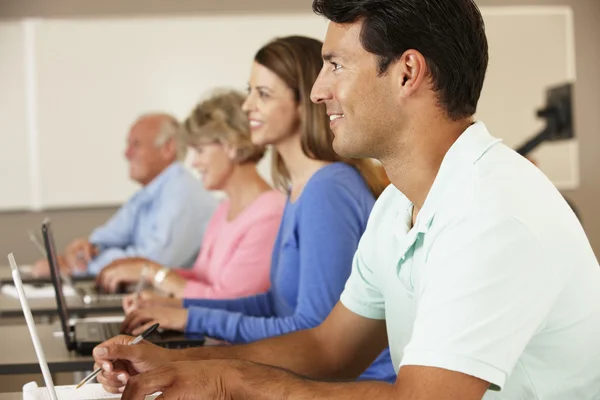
(329,56)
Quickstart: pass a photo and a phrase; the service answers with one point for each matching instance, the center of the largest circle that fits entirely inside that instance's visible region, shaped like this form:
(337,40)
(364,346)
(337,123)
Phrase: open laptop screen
(63,311)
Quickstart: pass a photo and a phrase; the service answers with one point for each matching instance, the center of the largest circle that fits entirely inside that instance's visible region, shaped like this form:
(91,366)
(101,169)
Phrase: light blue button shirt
(496,279)
(164,222)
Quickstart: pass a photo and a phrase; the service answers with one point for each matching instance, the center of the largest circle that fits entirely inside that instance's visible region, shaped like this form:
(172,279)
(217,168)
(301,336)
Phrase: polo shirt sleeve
(362,293)
(487,288)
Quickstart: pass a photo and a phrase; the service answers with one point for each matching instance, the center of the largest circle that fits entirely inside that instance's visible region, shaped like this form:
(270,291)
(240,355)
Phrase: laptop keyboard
(111,329)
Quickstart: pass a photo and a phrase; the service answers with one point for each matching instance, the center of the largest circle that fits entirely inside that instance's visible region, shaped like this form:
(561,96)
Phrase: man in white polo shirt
(473,267)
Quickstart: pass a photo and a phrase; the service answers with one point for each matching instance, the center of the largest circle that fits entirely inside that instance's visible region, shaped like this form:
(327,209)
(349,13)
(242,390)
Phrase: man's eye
(336,66)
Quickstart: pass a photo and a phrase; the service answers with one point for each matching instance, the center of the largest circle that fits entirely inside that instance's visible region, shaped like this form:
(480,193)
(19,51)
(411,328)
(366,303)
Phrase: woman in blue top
(329,202)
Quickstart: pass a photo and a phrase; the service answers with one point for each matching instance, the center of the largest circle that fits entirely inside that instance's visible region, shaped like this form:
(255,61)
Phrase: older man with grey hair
(164,221)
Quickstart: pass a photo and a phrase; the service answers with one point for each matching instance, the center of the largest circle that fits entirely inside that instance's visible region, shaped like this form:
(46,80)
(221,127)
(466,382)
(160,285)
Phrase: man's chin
(134,176)
(339,147)
(345,149)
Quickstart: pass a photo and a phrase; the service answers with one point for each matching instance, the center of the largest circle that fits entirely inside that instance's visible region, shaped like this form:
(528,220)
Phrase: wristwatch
(160,276)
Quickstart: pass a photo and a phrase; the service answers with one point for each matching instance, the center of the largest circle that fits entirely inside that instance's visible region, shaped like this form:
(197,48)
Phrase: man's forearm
(300,352)
(266,383)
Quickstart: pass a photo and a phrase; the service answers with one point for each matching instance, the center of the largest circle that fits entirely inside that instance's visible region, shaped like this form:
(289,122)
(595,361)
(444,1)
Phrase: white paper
(26,269)
(39,292)
(89,391)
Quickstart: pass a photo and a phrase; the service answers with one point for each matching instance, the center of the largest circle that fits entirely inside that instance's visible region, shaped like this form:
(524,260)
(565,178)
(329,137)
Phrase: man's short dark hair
(449,33)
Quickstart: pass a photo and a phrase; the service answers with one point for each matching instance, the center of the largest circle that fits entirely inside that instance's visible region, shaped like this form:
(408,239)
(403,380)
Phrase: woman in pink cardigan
(235,255)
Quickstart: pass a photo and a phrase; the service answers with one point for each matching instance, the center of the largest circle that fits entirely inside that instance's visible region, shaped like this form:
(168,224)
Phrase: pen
(141,281)
(138,339)
(36,242)
(81,261)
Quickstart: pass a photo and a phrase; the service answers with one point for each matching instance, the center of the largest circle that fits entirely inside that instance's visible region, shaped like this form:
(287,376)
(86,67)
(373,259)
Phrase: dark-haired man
(473,267)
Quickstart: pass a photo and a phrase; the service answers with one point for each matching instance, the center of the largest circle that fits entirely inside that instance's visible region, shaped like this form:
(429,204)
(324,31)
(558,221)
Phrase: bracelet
(160,276)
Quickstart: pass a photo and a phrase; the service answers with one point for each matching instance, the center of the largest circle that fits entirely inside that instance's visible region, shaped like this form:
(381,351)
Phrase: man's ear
(169,149)
(409,72)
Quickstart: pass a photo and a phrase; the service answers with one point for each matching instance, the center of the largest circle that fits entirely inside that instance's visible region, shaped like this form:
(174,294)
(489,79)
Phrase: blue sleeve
(118,230)
(330,223)
(257,306)
(173,237)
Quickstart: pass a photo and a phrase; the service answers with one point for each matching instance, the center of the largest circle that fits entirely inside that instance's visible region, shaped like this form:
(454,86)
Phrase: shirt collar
(470,146)
(151,189)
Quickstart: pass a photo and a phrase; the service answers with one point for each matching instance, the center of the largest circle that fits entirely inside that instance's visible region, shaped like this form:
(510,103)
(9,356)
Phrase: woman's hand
(168,318)
(125,271)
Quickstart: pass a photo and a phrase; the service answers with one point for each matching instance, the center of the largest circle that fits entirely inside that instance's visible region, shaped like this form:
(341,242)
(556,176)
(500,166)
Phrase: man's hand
(120,361)
(202,380)
(125,271)
(41,268)
(232,379)
(149,299)
(238,379)
(79,253)
(168,318)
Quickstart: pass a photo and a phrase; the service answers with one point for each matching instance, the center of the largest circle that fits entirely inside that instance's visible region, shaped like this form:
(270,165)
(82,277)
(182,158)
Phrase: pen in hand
(141,281)
(138,339)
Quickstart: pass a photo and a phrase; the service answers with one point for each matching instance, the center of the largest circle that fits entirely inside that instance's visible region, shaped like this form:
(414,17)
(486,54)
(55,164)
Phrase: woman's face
(271,108)
(215,163)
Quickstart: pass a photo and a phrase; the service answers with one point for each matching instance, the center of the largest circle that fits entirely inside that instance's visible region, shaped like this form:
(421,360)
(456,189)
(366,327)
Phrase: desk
(6,277)
(10,307)
(11,396)
(18,355)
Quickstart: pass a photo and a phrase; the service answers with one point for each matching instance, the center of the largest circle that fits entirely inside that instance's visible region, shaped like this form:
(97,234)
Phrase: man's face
(146,160)
(359,101)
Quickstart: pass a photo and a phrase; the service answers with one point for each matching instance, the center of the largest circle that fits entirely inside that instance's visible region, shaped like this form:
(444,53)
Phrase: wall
(587,95)
(587,103)
(67,224)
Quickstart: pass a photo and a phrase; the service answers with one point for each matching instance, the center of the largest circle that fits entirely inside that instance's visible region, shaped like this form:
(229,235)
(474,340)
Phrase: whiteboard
(74,98)
(95,76)
(14,153)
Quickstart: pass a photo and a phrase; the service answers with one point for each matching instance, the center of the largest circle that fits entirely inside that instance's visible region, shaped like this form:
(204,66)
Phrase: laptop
(88,334)
(31,391)
(26,271)
(89,294)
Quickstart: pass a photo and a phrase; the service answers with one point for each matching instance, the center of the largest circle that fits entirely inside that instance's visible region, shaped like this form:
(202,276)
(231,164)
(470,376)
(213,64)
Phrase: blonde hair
(220,118)
(297,61)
